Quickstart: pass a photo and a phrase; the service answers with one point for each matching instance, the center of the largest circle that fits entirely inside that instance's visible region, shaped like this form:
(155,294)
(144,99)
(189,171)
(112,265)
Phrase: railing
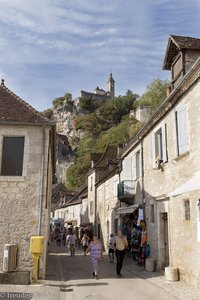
(126,189)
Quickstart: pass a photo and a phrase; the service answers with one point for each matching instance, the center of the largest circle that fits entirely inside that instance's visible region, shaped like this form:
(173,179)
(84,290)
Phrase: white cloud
(84,38)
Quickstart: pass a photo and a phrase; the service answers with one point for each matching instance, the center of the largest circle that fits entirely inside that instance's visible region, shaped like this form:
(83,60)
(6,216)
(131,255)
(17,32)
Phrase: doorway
(163,242)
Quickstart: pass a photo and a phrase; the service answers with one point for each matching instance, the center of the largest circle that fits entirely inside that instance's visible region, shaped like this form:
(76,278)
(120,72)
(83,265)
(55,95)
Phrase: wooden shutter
(127,168)
(164,142)
(134,166)
(183,144)
(153,150)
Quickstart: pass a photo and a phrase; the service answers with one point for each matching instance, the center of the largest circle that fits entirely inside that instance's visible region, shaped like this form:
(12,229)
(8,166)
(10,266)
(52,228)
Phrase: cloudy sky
(50,47)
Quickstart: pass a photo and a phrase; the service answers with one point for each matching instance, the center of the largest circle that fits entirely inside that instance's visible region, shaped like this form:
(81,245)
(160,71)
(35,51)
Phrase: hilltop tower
(111,86)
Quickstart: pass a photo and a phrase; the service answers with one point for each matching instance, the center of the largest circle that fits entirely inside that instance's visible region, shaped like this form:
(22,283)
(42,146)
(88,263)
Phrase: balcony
(126,191)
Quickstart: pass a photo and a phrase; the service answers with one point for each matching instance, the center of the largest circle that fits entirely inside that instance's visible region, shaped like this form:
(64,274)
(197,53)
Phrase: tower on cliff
(111,86)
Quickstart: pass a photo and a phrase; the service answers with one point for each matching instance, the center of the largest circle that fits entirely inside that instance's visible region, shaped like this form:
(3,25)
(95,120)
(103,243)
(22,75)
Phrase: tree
(48,113)
(155,93)
(66,99)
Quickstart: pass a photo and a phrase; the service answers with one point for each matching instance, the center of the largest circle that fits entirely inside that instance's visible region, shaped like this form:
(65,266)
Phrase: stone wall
(182,234)
(22,197)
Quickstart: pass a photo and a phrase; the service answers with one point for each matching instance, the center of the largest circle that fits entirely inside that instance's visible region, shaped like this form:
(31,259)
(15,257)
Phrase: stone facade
(25,200)
(25,177)
(161,158)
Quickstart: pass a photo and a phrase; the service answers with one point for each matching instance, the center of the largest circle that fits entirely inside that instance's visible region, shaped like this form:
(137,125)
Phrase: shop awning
(126,209)
(193,184)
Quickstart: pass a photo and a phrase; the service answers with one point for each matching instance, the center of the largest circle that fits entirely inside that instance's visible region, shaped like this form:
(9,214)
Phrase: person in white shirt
(71,243)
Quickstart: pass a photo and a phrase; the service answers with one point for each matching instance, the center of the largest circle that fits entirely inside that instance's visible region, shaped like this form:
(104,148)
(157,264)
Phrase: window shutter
(141,171)
(153,151)
(134,166)
(182,130)
(127,167)
(164,142)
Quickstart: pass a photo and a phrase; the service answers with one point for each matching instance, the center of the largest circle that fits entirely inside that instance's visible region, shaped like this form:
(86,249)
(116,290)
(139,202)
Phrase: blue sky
(50,47)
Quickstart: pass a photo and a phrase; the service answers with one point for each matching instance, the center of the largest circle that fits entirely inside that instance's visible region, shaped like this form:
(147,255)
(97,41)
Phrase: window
(12,156)
(181,130)
(187,209)
(91,183)
(159,145)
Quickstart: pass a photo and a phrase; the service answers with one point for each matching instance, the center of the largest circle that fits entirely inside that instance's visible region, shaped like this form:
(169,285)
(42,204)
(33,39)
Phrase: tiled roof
(186,42)
(14,109)
(177,43)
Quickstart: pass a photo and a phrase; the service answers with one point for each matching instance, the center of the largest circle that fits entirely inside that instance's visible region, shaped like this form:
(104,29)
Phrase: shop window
(187,209)
(12,156)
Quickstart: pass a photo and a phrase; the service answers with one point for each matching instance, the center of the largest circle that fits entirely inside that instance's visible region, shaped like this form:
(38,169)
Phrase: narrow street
(74,277)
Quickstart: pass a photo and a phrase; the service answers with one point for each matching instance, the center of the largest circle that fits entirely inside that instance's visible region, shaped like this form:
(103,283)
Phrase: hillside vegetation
(110,124)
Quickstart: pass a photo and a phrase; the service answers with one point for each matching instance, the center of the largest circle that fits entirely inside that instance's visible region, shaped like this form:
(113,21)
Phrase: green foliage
(114,110)
(110,125)
(113,136)
(66,99)
(48,113)
(86,145)
(90,104)
(155,93)
(76,174)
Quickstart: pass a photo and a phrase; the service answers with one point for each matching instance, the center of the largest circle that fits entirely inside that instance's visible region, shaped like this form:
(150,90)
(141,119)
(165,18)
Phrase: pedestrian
(58,239)
(119,244)
(63,238)
(85,242)
(96,254)
(71,243)
(111,248)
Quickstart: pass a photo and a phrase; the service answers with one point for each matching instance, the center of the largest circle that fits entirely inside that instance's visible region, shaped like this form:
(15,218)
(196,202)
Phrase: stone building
(170,147)
(97,95)
(26,168)
(102,164)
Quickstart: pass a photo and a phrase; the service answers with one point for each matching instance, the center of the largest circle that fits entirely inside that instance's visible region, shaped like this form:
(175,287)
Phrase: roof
(109,153)
(15,110)
(177,43)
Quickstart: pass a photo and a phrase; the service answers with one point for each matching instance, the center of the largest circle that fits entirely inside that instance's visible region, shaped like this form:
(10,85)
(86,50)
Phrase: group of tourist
(117,247)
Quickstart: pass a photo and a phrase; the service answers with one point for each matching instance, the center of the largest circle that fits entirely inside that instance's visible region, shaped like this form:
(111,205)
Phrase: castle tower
(111,86)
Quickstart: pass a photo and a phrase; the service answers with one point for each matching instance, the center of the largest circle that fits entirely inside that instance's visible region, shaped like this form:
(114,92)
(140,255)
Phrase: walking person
(85,242)
(111,248)
(96,254)
(71,243)
(119,244)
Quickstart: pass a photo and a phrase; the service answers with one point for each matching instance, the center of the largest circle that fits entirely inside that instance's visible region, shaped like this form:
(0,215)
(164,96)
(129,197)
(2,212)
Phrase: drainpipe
(41,180)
